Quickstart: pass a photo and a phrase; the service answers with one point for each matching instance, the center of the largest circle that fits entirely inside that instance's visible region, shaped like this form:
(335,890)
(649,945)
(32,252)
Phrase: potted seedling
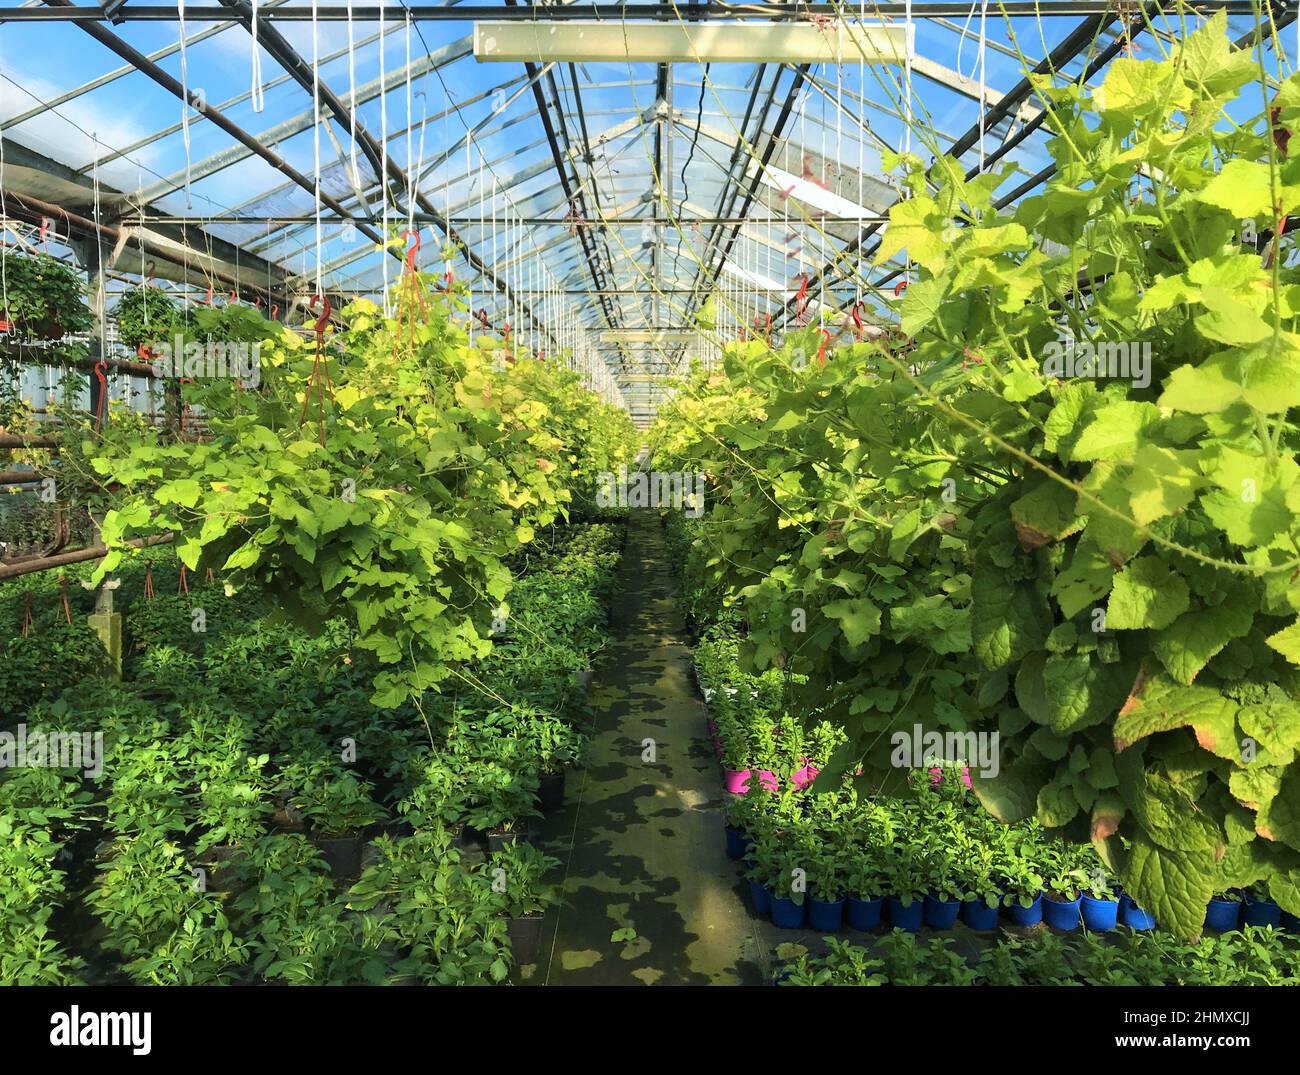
(519,869)
(1100,905)
(1259,908)
(339,808)
(826,872)
(1223,912)
(1021,882)
(906,880)
(1063,888)
(944,890)
(980,894)
(499,804)
(558,745)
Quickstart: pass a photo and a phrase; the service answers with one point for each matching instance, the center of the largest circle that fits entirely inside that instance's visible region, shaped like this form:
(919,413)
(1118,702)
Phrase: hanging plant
(42,299)
(145,316)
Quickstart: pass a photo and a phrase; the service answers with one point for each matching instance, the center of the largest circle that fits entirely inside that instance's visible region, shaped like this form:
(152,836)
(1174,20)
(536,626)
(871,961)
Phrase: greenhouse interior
(759,494)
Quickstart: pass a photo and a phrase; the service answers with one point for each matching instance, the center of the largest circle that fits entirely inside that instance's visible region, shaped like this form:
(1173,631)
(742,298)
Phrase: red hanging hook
(858,326)
(208,300)
(411,251)
(900,287)
(323,321)
(275,311)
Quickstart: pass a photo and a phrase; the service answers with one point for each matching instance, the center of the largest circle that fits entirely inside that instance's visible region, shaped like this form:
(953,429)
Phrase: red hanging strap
(101,367)
(801,300)
(1281,139)
(317,382)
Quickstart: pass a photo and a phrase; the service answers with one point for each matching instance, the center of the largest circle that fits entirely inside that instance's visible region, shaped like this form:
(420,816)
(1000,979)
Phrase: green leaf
(1008,620)
(1115,430)
(1186,646)
(1175,886)
(1287,642)
(1162,705)
(1146,594)
(859,618)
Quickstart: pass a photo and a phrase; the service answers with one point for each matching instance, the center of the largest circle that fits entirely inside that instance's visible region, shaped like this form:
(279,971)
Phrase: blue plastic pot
(1290,922)
(825,915)
(1131,915)
(863,914)
(1222,915)
(761,897)
(1062,914)
(979,915)
(1100,915)
(737,843)
(900,917)
(940,914)
(786,914)
(1260,913)
(1026,916)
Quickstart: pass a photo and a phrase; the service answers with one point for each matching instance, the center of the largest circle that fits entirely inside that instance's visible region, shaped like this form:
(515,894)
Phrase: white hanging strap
(984,9)
(315,116)
(257,94)
(352,95)
(185,99)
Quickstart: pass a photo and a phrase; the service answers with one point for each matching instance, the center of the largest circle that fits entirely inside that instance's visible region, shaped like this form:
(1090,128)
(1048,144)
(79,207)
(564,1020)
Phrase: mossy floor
(641,841)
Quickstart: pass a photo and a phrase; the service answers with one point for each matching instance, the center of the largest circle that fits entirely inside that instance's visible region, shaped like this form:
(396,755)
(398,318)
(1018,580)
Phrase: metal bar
(773,12)
(76,556)
(146,66)
(39,208)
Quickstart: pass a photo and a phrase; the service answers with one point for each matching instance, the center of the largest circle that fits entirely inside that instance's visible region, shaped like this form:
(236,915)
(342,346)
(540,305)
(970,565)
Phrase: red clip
(275,311)
(208,300)
(899,287)
(45,227)
(859,328)
(233,297)
(450,278)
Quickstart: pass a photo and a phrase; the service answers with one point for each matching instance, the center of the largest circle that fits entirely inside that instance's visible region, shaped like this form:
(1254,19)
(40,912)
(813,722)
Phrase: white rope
(315,116)
(984,8)
(257,93)
(961,41)
(101,299)
(410,172)
(352,95)
(185,99)
(383,148)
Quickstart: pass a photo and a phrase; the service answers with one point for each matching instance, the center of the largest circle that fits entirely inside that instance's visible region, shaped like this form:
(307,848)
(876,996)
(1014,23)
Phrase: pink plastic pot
(735,782)
(805,776)
(768,779)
